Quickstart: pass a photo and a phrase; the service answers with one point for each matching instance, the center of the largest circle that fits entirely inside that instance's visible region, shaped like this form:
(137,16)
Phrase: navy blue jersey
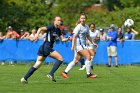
(52,34)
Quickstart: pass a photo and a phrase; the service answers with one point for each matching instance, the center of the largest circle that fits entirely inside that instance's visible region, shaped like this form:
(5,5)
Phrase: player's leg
(58,57)
(70,65)
(38,63)
(82,61)
(86,54)
(92,54)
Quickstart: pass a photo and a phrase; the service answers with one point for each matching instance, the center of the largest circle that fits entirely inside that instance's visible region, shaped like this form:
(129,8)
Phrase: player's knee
(76,61)
(37,64)
(61,59)
(88,58)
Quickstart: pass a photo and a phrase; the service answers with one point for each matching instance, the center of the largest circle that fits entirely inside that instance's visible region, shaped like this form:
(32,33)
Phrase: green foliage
(130,3)
(29,14)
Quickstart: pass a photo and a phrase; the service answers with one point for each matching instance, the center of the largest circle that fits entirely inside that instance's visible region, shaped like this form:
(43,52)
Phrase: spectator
(102,34)
(120,35)
(12,34)
(32,35)
(42,35)
(112,45)
(128,35)
(25,35)
(1,36)
(69,34)
(21,33)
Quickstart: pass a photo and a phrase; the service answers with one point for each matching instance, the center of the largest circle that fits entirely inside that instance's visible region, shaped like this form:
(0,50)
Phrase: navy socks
(30,72)
(55,67)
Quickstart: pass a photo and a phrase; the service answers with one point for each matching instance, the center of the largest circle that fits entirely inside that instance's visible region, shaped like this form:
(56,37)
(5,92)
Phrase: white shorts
(112,51)
(80,47)
(77,49)
(91,46)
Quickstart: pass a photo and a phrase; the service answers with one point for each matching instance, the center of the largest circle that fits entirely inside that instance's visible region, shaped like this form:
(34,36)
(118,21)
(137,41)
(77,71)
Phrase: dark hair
(55,17)
(91,24)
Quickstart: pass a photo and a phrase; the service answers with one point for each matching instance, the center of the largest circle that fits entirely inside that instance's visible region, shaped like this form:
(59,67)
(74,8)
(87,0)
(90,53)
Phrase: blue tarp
(25,50)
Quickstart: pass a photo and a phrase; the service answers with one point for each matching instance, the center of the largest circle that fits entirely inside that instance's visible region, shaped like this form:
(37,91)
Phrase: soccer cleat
(64,75)
(23,81)
(51,77)
(109,65)
(91,76)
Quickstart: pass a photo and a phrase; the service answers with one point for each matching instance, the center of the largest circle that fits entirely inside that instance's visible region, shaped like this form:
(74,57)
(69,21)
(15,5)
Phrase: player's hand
(95,45)
(69,38)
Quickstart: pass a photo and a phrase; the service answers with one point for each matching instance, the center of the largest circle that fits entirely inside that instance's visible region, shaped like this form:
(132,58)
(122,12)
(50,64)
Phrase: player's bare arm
(73,41)
(92,41)
(38,32)
(63,39)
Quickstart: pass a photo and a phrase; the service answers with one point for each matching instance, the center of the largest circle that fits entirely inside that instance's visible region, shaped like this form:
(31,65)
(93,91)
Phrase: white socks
(92,58)
(69,67)
(88,66)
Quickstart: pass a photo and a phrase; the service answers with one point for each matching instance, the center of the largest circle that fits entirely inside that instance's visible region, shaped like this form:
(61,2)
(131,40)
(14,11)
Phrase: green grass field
(125,79)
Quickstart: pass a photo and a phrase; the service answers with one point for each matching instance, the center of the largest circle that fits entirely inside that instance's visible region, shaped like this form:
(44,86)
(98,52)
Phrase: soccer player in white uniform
(80,33)
(95,35)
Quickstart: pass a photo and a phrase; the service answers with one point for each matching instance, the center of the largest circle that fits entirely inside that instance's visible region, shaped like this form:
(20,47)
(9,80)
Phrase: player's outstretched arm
(38,32)
(92,41)
(63,39)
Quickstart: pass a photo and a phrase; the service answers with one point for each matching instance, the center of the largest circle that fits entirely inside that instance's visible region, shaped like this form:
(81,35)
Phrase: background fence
(26,51)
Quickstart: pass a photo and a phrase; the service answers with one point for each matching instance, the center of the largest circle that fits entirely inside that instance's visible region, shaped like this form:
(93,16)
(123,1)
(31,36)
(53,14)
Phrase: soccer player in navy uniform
(53,33)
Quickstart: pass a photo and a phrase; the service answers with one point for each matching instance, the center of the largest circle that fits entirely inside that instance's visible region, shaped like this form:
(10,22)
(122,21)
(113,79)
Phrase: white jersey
(93,34)
(82,32)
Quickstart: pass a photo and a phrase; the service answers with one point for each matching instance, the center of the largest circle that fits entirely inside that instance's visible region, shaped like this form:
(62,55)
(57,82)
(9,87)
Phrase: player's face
(58,21)
(82,19)
(92,27)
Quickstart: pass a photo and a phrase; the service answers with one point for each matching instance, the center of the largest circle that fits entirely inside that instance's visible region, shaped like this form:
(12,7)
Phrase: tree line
(31,14)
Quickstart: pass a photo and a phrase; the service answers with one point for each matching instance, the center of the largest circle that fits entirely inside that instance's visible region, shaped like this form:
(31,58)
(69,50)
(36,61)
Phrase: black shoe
(51,77)
(116,66)
(109,65)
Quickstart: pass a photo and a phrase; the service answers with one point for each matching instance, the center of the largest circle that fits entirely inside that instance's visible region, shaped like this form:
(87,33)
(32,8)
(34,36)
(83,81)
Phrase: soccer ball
(128,23)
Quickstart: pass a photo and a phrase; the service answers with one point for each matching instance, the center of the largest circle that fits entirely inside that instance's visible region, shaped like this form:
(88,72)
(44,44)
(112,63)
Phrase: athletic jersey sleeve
(76,29)
(88,32)
(49,27)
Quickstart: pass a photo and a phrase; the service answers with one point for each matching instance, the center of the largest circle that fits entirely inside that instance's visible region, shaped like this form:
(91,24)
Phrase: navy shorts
(45,49)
